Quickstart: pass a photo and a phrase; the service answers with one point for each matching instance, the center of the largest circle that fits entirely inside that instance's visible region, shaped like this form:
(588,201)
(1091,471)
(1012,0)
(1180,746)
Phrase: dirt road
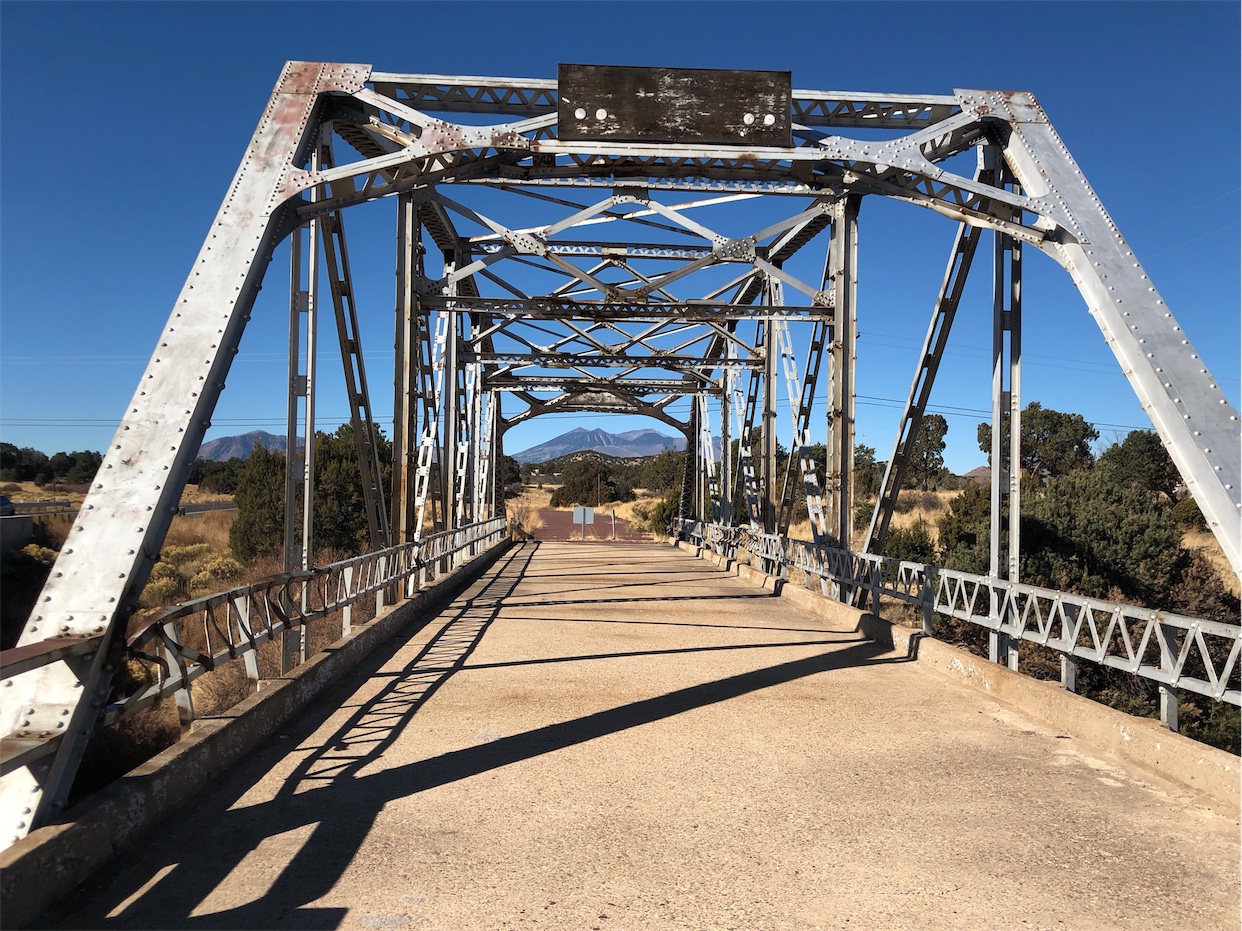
(559,527)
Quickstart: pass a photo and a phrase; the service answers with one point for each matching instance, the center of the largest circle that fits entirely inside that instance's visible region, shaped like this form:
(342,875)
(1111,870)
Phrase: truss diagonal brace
(120,528)
(1198,425)
(965,244)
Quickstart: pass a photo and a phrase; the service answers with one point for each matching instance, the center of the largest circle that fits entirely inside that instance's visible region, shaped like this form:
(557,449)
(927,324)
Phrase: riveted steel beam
(117,535)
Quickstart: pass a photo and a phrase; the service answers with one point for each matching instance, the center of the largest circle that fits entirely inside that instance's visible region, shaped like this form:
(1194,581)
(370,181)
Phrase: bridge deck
(624,737)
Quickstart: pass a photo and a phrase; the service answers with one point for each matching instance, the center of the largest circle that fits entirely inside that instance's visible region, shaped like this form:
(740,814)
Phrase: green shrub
(163,591)
(907,501)
(912,544)
(664,514)
(1188,516)
(224,568)
(965,528)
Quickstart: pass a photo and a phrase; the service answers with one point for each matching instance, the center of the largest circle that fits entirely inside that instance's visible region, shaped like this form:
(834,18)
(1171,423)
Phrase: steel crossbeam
(632,277)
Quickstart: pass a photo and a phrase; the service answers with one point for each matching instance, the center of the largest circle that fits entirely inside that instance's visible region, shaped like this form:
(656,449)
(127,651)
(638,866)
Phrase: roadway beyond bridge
(627,737)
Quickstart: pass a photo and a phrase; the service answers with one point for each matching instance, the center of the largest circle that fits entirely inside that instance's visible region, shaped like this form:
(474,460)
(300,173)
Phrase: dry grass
(191,495)
(1206,542)
(29,491)
(926,506)
(801,530)
(52,530)
(631,510)
(210,527)
(525,507)
(930,506)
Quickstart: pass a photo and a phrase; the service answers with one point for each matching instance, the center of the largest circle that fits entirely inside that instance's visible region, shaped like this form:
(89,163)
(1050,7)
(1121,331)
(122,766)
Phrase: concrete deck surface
(626,737)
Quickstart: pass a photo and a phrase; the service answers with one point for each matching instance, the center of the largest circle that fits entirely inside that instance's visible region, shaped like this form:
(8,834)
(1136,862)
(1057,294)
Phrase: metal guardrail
(234,624)
(51,508)
(205,506)
(36,507)
(1173,650)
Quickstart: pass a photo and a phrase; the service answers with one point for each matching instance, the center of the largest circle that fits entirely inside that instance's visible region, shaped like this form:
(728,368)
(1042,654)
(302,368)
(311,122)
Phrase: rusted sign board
(691,105)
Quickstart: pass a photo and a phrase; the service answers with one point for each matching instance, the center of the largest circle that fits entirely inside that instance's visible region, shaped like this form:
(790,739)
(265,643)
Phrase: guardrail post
(250,659)
(1002,648)
(291,637)
(347,613)
(1069,673)
(928,602)
(379,592)
(176,668)
(1167,636)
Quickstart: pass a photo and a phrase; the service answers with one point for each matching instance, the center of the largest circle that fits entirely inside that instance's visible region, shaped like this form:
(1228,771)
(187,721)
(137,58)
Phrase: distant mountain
(621,445)
(240,447)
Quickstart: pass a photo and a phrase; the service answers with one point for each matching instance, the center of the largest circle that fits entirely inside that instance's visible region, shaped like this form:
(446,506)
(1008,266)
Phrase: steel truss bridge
(559,250)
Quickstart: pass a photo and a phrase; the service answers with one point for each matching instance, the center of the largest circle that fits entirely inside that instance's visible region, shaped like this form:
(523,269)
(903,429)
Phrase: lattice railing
(235,624)
(1176,651)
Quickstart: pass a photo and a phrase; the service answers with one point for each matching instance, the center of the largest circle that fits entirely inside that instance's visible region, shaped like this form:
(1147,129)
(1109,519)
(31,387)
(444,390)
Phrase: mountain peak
(241,446)
(633,443)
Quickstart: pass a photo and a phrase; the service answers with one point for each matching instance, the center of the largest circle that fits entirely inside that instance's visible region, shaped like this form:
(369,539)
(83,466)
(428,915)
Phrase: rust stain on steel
(679,105)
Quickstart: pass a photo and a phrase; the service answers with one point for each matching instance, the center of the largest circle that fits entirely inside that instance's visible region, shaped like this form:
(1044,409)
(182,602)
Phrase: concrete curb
(1141,741)
(51,861)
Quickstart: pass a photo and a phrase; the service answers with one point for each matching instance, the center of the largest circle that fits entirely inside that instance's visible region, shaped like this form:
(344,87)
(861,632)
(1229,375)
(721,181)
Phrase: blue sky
(122,124)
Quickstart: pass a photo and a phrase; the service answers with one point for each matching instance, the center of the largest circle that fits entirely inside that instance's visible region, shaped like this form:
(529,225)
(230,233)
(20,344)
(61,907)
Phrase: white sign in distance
(584,515)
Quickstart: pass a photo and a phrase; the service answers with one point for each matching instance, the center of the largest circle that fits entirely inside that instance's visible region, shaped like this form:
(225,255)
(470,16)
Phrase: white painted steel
(115,540)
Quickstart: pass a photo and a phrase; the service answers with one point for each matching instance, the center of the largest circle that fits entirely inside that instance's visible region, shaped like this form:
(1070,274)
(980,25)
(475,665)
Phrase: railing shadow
(328,794)
(377,724)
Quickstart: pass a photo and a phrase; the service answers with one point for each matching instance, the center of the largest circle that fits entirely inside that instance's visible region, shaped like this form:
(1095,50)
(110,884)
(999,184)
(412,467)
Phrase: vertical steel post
(312,353)
(299,536)
(1014,319)
(1069,673)
(844,272)
(767,428)
(312,365)
(1167,636)
(406,375)
(474,414)
(295,471)
(451,405)
(297,389)
(1006,481)
(726,442)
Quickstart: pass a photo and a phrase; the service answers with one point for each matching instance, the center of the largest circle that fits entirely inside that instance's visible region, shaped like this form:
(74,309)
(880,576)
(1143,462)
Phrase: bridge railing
(235,624)
(1173,650)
